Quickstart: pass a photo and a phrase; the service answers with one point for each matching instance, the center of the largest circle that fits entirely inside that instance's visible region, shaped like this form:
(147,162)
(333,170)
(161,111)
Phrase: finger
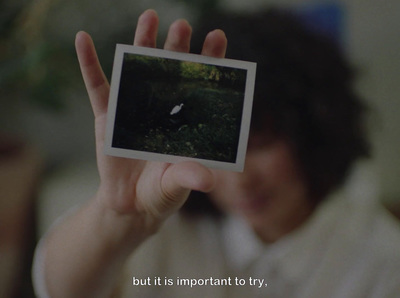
(160,199)
(215,44)
(95,81)
(178,38)
(146,29)
(179,179)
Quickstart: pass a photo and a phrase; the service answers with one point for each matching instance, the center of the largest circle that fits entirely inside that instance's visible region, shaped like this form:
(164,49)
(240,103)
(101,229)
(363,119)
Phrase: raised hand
(133,197)
(139,187)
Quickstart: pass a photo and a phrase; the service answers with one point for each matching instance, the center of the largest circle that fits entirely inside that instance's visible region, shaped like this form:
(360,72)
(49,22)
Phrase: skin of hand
(140,187)
(87,250)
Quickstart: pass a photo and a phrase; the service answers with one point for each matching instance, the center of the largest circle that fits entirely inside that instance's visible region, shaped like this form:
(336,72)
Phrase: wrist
(122,231)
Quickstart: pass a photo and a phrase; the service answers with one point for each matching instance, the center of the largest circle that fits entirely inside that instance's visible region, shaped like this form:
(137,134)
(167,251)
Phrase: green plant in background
(37,58)
(32,68)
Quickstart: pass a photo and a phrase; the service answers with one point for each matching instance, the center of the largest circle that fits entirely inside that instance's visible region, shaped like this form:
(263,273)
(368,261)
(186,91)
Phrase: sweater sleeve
(39,258)
(38,268)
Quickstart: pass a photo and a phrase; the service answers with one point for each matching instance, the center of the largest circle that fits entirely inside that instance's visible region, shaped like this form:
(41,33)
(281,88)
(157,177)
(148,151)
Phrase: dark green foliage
(208,125)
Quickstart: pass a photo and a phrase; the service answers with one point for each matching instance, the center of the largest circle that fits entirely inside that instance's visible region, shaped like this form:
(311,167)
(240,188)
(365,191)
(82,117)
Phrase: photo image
(178,109)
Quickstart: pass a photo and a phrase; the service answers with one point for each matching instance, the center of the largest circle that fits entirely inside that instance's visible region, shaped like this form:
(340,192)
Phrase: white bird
(176,109)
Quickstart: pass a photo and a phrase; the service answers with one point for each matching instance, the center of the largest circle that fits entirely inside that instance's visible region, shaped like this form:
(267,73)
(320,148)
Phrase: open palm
(131,186)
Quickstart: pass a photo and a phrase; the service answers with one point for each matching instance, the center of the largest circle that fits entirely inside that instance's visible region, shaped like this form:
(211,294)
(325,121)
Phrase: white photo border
(122,49)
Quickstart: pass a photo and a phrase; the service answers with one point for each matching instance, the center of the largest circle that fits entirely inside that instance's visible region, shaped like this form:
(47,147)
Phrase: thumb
(179,179)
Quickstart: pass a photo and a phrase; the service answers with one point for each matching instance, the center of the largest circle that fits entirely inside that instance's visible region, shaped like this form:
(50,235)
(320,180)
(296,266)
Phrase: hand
(135,187)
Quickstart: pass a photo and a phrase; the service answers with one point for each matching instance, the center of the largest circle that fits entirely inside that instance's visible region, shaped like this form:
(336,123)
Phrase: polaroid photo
(171,107)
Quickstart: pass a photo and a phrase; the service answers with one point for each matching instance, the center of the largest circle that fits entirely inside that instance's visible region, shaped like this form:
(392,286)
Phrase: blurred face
(271,193)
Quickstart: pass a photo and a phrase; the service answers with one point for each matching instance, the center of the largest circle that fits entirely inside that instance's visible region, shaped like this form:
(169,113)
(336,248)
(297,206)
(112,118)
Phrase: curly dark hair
(304,92)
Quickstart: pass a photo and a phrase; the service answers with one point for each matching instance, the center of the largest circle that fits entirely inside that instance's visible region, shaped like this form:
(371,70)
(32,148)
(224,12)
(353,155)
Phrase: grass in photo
(180,108)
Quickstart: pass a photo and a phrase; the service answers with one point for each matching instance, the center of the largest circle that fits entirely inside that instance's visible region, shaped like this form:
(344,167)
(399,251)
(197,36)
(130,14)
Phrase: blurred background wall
(47,105)
(43,102)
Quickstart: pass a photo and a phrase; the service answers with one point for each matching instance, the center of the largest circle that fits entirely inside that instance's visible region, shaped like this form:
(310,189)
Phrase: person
(282,228)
